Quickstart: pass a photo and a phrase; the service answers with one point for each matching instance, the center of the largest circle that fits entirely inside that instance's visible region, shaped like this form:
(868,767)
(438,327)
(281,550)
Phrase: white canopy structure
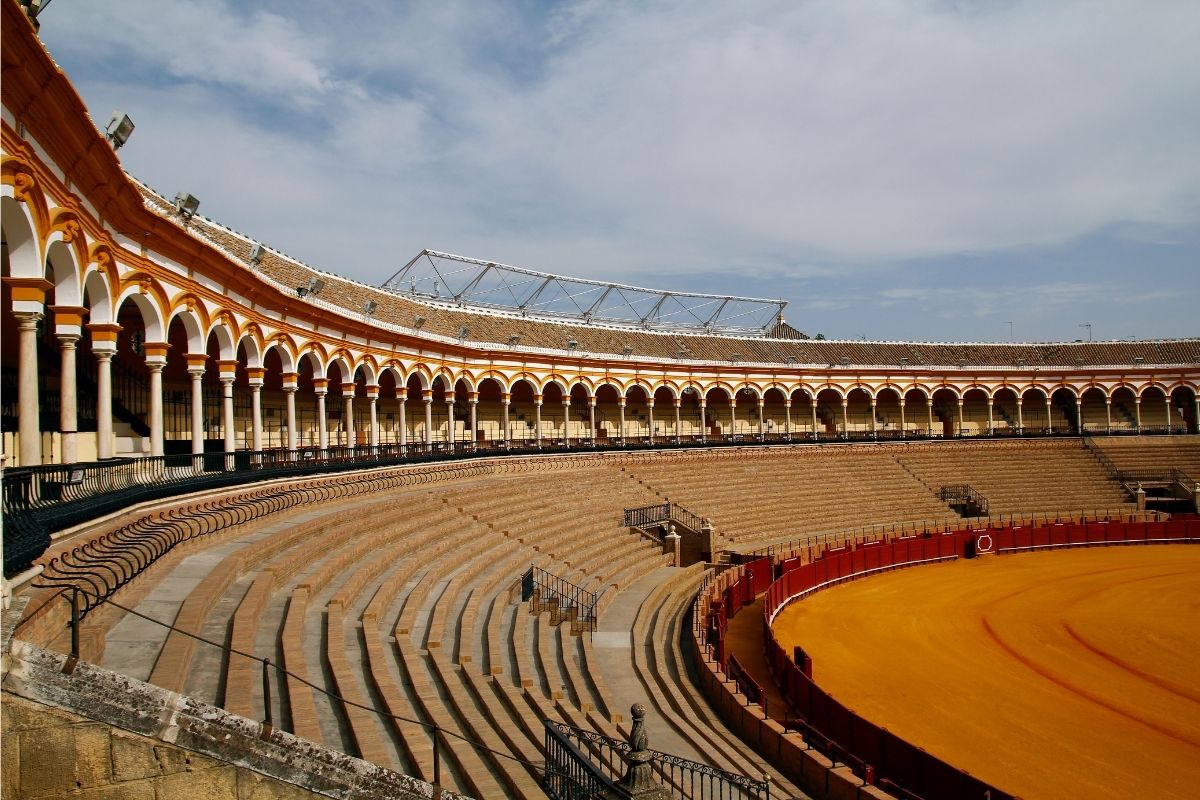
(461,281)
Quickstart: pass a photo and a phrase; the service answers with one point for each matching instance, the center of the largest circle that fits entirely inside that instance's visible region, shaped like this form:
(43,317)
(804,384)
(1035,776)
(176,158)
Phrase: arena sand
(1051,674)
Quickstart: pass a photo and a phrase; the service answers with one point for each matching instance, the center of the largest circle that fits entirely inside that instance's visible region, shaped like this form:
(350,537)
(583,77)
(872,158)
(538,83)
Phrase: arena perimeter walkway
(1050,674)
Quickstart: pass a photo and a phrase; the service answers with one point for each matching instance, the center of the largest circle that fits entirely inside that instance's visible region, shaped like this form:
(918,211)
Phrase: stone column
(703,403)
(320,387)
(1196,417)
(450,432)
(678,403)
(671,545)
(155,365)
(68,413)
(959,432)
(373,415)
(592,418)
(1049,419)
(762,418)
(29,426)
(621,407)
(1107,414)
(787,418)
(733,415)
(104,347)
(348,413)
(401,403)
(1079,414)
(929,403)
(1137,410)
(638,782)
(227,419)
(537,415)
(991,424)
(195,362)
(1021,414)
(1167,399)
(255,377)
(427,399)
(473,434)
(289,392)
(650,418)
(505,402)
(846,417)
(874,422)
(903,422)
(812,401)
(566,403)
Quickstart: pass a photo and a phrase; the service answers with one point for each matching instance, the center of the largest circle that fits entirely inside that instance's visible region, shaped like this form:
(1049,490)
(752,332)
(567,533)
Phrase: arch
(194,323)
(281,346)
(226,339)
(151,318)
(62,269)
(97,299)
(251,341)
(150,300)
(18,227)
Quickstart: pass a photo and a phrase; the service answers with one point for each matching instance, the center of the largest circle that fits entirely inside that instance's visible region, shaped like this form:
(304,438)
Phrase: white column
(592,417)
(903,423)
(874,428)
(197,373)
(290,395)
(104,420)
(1196,412)
(703,403)
(537,411)
(959,432)
(1108,414)
(256,426)
(929,403)
(991,425)
(227,420)
(762,418)
(68,415)
(348,413)
(373,412)
(29,425)
(1167,399)
(812,401)
(650,417)
(1137,410)
(1079,413)
(427,399)
(1021,413)
(473,435)
(566,403)
(320,387)
(621,407)
(156,404)
(505,402)
(846,417)
(1049,419)
(678,402)
(450,420)
(733,415)
(401,406)
(787,418)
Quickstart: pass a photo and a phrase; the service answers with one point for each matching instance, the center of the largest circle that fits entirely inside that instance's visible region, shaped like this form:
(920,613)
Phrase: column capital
(196,361)
(28,320)
(449,396)
(677,402)
(155,366)
(566,401)
(290,380)
(255,375)
(373,391)
(622,401)
(649,402)
(401,392)
(155,352)
(427,395)
(68,319)
(320,385)
(68,339)
(506,398)
(105,332)
(228,367)
(348,389)
(473,397)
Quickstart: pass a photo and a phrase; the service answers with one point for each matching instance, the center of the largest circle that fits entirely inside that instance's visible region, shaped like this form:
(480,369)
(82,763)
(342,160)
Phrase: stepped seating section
(414,607)
(794,493)
(1151,453)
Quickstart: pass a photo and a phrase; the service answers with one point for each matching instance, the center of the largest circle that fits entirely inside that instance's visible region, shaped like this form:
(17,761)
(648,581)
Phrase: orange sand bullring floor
(1052,674)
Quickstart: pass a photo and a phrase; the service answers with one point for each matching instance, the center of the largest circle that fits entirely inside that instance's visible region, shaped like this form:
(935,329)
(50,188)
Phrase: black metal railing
(966,497)
(647,516)
(585,759)
(564,600)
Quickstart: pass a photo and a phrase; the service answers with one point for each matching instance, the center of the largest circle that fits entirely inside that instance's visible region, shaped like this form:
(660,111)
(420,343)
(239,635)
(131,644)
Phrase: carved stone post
(639,782)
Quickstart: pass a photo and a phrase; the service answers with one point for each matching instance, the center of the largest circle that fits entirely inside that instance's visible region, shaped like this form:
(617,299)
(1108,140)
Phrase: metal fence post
(73,659)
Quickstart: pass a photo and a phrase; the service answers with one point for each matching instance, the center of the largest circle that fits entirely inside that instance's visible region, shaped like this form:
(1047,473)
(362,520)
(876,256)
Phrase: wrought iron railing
(580,760)
(564,600)
(647,516)
(964,495)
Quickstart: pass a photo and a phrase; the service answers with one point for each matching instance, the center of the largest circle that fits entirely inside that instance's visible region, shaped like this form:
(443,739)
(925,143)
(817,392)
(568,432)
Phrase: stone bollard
(639,782)
(1140,494)
(671,545)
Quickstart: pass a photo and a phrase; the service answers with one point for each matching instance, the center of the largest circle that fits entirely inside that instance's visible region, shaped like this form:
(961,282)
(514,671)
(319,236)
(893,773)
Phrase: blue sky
(895,170)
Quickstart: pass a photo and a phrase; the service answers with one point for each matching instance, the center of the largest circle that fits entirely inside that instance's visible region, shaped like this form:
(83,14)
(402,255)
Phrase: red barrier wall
(895,762)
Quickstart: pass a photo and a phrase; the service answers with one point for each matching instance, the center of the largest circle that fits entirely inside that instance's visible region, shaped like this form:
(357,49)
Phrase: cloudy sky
(895,170)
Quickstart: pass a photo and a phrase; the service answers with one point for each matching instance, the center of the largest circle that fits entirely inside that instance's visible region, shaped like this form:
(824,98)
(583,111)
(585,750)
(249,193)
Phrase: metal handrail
(646,516)
(566,598)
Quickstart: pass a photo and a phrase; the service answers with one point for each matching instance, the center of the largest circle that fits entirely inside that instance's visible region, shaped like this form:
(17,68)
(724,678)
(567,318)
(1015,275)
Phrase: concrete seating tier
(1149,453)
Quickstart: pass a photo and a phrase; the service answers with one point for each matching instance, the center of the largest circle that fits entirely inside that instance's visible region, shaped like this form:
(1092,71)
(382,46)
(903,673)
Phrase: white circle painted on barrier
(980,547)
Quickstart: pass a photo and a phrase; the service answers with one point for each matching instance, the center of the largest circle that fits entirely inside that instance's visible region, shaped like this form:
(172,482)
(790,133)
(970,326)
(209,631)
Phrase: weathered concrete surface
(95,733)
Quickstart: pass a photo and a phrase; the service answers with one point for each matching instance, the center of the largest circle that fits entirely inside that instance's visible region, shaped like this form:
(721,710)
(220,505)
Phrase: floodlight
(627,350)
(572,344)
(418,321)
(514,339)
(904,361)
(463,331)
(791,359)
(119,129)
(370,307)
(315,285)
(1139,360)
(186,205)
(256,254)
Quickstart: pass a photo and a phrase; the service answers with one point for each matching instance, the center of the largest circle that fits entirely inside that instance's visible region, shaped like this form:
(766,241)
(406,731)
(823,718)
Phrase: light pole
(1010,330)
(1087,325)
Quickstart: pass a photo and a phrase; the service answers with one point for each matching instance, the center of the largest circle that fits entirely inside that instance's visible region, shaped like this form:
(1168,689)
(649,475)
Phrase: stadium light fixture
(418,321)
(627,351)
(256,254)
(1139,360)
(514,340)
(904,361)
(572,344)
(791,359)
(463,332)
(369,307)
(119,129)
(186,205)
